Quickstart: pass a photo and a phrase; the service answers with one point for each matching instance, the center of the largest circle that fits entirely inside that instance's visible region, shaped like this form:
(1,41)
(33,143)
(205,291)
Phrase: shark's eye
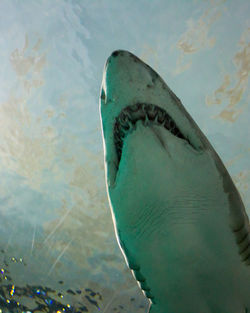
(103,95)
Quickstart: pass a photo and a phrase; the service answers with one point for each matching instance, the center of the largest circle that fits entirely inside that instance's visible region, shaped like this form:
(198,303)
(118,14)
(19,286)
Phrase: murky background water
(58,250)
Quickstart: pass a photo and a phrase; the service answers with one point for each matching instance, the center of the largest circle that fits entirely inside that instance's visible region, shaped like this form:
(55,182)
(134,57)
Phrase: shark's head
(152,145)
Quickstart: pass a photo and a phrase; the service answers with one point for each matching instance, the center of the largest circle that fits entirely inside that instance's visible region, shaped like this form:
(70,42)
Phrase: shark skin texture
(179,219)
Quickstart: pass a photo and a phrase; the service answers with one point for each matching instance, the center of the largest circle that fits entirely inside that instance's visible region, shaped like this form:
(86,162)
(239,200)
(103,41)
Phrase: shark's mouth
(150,114)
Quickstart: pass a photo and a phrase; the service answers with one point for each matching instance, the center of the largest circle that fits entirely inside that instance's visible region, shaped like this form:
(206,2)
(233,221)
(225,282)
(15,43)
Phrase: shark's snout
(125,69)
(118,57)
(120,53)
(123,54)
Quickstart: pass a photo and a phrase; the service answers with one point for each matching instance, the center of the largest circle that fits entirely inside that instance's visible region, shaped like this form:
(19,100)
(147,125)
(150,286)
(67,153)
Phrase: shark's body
(179,219)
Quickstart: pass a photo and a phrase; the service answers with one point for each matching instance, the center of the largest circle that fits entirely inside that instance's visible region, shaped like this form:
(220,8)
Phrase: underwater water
(58,250)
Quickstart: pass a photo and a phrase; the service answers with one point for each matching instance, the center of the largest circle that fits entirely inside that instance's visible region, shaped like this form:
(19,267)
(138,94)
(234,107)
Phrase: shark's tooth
(152,113)
(169,123)
(161,116)
(124,121)
(143,107)
(133,108)
(138,115)
(148,106)
(146,121)
(123,118)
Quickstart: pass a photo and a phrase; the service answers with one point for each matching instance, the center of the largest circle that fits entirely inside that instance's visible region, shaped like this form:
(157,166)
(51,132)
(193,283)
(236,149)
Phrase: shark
(178,218)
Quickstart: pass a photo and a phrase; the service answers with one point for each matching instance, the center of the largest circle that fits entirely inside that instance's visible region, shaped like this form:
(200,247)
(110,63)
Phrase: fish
(179,220)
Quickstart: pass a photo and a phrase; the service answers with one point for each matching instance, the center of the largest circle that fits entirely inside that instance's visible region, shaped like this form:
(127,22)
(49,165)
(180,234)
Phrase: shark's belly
(182,273)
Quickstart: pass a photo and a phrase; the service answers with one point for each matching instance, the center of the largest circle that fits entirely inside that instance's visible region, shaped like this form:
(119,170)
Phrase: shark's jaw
(149,114)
